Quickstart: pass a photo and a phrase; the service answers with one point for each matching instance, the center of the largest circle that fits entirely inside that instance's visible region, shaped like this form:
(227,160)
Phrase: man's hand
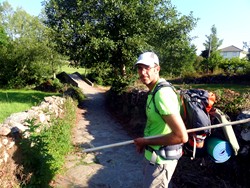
(140,144)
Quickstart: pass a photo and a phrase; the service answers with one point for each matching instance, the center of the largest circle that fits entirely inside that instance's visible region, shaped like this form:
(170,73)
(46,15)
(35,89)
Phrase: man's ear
(158,68)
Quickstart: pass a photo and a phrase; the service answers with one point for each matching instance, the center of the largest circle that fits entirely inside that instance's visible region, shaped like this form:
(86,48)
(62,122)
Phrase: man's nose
(143,70)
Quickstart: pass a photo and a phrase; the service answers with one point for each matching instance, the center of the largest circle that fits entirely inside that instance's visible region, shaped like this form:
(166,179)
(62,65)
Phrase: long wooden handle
(157,136)
(219,125)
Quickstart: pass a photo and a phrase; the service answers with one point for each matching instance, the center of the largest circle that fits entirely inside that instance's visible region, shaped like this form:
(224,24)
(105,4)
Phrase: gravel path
(118,167)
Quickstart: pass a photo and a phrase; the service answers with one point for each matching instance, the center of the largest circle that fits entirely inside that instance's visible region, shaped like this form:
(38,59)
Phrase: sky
(230,17)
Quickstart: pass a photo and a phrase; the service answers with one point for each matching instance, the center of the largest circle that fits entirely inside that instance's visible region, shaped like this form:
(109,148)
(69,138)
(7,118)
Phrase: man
(166,121)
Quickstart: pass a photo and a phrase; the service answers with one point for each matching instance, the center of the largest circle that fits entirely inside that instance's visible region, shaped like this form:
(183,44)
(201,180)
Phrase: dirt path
(118,167)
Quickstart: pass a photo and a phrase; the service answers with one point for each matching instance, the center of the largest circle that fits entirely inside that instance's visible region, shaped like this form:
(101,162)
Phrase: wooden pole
(157,136)
(219,125)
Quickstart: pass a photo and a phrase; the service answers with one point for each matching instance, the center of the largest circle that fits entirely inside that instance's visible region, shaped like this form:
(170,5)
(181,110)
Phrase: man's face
(148,74)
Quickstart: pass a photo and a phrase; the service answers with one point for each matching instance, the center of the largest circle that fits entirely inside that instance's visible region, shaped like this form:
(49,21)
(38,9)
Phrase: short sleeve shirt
(166,102)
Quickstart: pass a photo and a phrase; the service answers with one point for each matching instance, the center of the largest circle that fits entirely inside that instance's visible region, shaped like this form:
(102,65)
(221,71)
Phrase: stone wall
(13,128)
(129,108)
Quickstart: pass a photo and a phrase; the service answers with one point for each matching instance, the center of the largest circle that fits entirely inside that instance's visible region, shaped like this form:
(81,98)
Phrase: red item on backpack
(211,101)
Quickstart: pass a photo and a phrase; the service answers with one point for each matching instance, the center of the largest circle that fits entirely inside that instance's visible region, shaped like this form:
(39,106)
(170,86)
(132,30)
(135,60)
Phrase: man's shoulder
(163,86)
(165,91)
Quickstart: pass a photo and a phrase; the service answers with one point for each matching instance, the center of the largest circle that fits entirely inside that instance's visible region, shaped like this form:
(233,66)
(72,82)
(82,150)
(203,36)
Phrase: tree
(4,39)
(173,43)
(29,57)
(247,46)
(214,61)
(115,32)
(211,54)
(212,43)
(198,64)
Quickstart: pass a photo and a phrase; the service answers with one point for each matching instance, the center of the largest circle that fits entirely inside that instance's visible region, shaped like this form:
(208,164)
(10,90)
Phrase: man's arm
(177,136)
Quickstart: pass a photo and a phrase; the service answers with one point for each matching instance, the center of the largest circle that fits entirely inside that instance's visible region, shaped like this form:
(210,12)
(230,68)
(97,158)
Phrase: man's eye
(139,68)
(143,68)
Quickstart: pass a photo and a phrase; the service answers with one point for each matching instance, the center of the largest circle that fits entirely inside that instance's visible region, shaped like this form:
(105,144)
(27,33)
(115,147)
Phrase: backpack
(193,109)
(195,105)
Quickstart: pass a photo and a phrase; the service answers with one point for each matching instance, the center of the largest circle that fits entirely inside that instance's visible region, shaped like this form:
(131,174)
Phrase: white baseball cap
(148,58)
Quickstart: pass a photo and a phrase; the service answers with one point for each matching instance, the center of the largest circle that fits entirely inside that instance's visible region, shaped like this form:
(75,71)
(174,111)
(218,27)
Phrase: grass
(12,101)
(213,87)
(70,70)
(210,87)
(47,150)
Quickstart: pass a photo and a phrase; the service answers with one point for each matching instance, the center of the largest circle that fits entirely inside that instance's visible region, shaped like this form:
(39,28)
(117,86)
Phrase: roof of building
(231,48)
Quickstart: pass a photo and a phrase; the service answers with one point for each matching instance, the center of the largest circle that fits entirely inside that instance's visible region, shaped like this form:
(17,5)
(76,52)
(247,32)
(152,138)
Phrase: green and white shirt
(166,102)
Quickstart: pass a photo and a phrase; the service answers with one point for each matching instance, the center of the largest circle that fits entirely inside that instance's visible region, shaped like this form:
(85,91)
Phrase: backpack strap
(158,87)
(154,155)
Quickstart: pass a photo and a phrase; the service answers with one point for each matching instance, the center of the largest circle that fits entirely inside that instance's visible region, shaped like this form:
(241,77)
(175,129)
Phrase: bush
(231,102)
(75,93)
(102,74)
(43,153)
(121,84)
(51,85)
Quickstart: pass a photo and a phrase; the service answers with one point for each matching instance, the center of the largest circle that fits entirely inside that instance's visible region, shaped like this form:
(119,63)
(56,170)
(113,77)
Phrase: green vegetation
(106,38)
(106,41)
(69,69)
(12,101)
(44,153)
(27,54)
(110,37)
(211,61)
(232,102)
(213,87)
(230,98)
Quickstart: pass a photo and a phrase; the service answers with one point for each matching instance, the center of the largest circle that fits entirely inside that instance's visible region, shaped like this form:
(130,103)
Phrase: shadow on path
(117,167)
(121,165)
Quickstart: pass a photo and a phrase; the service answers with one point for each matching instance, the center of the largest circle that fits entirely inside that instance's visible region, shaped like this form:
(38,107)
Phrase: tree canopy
(3,37)
(112,33)
(27,55)
(211,55)
(212,43)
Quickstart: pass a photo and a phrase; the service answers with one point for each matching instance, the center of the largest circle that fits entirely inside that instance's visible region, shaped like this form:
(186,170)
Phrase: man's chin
(146,83)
